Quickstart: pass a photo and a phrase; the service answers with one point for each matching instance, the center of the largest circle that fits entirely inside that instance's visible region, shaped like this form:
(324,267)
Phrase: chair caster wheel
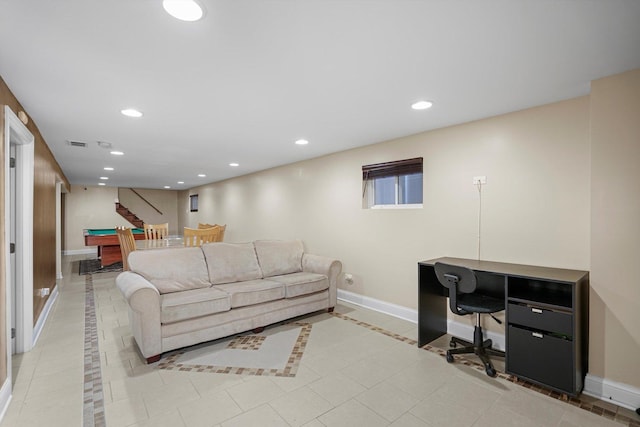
(449,358)
(491,372)
(453,344)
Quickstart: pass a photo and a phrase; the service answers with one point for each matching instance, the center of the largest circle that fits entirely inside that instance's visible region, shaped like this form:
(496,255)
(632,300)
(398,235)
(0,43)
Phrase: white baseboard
(395,310)
(44,315)
(620,394)
(458,329)
(80,252)
(5,397)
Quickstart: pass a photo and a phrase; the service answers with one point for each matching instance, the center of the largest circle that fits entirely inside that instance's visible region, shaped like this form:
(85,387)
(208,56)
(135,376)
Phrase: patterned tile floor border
(581,403)
(93,400)
(248,341)
(93,407)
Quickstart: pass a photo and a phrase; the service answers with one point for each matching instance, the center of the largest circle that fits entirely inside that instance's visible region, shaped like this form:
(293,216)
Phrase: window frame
(396,169)
(193,203)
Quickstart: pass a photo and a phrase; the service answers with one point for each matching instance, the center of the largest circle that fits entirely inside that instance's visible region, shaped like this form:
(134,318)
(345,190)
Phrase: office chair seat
(476,303)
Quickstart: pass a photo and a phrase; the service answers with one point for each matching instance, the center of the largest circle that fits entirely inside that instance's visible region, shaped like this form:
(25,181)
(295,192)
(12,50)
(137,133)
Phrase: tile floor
(359,369)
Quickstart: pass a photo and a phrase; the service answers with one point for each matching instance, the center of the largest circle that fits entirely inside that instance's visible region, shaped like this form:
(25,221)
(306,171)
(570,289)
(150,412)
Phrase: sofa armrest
(143,301)
(327,266)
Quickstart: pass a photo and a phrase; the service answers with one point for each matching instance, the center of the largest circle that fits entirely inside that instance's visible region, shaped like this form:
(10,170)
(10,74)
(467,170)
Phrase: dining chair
(127,245)
(196,237)
(221,234)
(156,231)
(220,238)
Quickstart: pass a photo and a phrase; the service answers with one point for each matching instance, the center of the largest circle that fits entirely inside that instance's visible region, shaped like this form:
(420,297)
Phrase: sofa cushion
(253,292)
(183,305)
(231,262)
(297,284)
(171,269)
(278,257)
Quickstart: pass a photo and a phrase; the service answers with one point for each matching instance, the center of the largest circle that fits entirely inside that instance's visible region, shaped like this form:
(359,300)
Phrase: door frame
(16,133)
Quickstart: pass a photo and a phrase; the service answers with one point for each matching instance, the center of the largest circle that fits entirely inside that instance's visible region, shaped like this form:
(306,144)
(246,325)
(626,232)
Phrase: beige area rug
(276,351)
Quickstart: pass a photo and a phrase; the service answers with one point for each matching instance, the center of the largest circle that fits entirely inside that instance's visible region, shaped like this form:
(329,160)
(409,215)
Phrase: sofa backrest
(231,262)
(171,269)
(278,257)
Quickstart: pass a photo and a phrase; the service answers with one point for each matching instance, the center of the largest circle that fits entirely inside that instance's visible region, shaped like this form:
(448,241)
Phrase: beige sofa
(183,296)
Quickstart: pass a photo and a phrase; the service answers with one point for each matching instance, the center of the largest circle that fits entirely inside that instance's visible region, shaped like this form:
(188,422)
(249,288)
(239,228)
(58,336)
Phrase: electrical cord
(479,185)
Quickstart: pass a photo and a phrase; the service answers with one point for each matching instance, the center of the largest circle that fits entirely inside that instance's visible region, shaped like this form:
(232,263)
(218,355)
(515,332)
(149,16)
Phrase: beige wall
(535,206)
(615,228)
(166,201)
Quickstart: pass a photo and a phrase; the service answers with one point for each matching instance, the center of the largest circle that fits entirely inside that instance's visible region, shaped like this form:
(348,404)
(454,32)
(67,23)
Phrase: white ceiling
(245,82)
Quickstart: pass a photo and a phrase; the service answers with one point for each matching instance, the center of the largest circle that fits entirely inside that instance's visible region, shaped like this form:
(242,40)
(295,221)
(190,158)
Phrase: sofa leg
(258,330)
(330,309)
(153,359)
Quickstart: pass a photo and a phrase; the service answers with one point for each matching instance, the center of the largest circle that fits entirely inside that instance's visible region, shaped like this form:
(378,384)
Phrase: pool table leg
(110,255)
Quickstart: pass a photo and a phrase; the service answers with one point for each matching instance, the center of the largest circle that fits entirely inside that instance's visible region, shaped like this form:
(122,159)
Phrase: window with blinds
(392,184)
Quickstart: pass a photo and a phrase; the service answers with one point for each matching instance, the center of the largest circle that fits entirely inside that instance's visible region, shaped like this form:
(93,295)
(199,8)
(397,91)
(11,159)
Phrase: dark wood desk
(546,329)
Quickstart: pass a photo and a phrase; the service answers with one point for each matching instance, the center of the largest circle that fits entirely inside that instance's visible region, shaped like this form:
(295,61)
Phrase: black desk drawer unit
(541,358)
(545,336)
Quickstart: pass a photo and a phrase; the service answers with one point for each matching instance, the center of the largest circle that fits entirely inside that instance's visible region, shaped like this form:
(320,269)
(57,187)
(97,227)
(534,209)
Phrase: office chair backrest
(456,277)
(458,280)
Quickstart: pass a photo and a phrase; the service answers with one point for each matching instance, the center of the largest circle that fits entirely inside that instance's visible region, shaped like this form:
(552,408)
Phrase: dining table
(168,242)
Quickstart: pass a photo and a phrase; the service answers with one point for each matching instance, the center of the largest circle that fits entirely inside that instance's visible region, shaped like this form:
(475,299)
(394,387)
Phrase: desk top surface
(518,270)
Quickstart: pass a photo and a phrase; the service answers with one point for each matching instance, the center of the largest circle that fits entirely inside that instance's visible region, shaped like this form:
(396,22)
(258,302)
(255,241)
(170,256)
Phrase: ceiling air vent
(77,144)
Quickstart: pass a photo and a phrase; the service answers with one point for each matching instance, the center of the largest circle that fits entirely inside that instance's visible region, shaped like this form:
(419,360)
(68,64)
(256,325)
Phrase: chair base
(482,349)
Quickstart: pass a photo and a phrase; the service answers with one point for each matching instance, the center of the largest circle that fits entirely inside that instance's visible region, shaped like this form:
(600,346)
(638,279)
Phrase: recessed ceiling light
(234,165)
(101,183)
(184,10)
(117,153)
(302,142)
(180,182)
(166,186)
(108,168)
(201,175)
(104,178)
(131,112)
(421,105)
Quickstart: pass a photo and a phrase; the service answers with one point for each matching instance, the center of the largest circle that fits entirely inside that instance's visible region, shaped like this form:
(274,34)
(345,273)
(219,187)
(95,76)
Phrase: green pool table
(107,242)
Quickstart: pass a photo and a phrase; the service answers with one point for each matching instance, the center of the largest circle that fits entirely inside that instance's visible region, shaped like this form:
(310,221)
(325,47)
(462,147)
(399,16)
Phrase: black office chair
(462,283)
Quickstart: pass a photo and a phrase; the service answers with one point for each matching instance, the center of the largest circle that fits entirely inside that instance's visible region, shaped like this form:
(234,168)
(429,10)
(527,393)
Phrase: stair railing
(144,200)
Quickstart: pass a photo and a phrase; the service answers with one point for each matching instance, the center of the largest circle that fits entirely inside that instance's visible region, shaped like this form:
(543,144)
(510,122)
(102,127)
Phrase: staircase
(129,216)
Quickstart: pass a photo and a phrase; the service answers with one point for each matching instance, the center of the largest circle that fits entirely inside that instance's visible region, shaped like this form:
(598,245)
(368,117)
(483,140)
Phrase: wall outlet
(348,278)
(479,180)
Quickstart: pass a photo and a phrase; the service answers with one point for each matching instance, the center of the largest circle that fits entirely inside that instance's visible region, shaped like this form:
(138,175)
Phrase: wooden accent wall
(46,173)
